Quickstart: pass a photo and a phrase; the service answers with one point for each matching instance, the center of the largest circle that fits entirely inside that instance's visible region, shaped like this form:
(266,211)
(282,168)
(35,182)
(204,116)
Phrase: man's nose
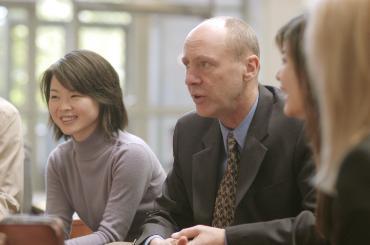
(192,78)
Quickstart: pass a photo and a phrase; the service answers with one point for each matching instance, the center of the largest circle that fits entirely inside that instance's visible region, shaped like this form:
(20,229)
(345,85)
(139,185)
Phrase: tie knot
(231,142)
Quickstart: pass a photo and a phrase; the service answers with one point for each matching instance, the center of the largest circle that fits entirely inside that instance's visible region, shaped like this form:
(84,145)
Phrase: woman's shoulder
(132,148)
(127,140)
(358,157)
(61,152)
(352,202)
(364,146)
(354,174)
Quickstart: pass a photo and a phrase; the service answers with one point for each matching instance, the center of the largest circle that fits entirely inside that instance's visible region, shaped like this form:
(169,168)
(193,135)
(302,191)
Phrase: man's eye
(205,64)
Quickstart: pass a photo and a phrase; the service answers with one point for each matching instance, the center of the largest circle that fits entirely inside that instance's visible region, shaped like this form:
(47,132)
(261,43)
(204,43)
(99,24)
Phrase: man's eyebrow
(199,57)
(205,58)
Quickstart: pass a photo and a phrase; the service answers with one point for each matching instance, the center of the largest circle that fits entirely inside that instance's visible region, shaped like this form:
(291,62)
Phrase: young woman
(106,175)
(338,51)
(300,103)
(295,82)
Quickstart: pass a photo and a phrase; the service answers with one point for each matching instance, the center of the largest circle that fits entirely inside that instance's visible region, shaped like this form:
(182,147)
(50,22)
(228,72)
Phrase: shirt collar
(241,131)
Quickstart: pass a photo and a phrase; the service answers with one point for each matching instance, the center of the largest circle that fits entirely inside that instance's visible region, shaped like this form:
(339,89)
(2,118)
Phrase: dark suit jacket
(351,206)
(273,185)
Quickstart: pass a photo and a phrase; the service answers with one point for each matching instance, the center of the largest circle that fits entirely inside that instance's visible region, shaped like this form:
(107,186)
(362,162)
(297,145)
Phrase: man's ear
(252,64)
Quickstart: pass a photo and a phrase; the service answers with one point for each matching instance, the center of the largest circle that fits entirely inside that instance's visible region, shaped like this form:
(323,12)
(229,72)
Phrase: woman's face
(290,85)
(74,113)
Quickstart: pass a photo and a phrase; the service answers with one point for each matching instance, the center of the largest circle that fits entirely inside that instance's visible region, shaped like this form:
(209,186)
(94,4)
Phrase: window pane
(160,129)
(3,49)
(54,10)
(166,72)
(17,14)
(18,75)
(13,54)
(109,43)
(111,1)
(87,16)
(46,53)
(50,46)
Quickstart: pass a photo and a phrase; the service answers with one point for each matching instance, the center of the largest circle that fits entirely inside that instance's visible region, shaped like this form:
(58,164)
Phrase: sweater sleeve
(57,203)
(131,173)
(11,162)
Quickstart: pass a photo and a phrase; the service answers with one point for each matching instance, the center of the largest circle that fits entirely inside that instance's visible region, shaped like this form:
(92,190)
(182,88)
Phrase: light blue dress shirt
(239,132)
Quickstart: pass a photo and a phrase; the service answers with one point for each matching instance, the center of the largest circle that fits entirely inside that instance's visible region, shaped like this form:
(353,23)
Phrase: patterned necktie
(223,214)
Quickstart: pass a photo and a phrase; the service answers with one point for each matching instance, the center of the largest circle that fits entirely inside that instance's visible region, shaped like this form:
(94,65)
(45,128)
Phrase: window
(142,42)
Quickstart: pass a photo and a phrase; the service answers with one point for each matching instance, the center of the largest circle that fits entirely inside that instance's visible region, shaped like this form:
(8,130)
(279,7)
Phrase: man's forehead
(215,26)
(208,37)
(204,45)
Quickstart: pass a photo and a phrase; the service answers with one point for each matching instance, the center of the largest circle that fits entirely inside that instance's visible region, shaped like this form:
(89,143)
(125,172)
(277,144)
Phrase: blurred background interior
(143,41)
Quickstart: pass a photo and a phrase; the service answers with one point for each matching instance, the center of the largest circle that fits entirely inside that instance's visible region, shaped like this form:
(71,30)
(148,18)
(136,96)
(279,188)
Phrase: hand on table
(169,241)
(199,235)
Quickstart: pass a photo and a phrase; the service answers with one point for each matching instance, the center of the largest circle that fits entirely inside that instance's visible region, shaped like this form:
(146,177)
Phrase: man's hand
(200,235)
(169,241)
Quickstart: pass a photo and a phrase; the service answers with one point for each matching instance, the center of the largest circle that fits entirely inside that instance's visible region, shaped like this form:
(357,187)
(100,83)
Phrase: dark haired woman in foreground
(106,175)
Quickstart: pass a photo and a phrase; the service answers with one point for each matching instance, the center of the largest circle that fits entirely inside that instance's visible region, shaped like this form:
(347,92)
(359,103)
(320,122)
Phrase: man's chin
(203,113)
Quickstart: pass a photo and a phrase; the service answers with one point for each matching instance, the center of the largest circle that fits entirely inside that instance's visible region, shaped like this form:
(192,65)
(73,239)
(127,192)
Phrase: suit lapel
(254,151)
(205,172)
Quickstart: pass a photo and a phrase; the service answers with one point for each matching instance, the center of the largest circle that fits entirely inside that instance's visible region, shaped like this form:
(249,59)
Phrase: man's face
(214,76)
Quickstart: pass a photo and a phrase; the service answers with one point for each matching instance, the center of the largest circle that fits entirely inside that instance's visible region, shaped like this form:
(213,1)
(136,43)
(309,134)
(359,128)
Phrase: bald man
(272,194)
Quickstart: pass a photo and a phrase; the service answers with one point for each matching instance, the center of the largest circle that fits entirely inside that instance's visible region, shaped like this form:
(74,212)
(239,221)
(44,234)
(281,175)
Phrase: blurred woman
(338,48)
(295,82)
(300,102)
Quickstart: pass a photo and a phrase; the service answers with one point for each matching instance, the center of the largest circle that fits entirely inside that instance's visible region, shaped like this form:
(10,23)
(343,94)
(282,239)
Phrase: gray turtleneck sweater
(110,184)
